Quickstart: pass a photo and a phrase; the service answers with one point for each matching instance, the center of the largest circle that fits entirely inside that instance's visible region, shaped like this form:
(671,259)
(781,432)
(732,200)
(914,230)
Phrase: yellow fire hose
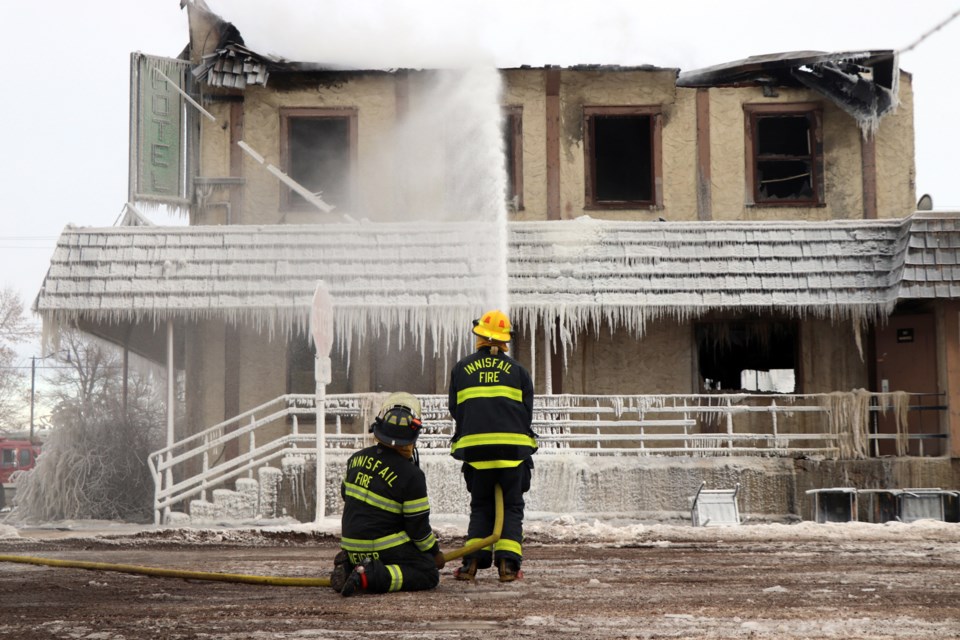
(489,540)
(275,581)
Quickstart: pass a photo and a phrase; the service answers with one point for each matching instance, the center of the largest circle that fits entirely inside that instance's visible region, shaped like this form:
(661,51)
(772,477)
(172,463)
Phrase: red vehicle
(15,455)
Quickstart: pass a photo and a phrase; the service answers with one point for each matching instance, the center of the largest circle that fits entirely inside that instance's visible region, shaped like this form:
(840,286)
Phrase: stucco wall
(262,373)
(627,88)
(842,156)
(204,375)
(896,157)
(843,178)
(618,362)
(831,360)
(372,95)
(526,89)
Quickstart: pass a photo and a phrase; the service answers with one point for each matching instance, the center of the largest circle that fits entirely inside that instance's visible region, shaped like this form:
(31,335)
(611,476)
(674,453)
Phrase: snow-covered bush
(94,464)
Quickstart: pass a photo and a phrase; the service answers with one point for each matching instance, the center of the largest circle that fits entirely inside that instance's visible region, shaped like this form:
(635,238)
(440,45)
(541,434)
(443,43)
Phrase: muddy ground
(686,583)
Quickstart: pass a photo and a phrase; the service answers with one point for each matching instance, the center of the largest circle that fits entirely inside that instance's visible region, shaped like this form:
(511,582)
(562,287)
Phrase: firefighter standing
(491,401)
(387,542)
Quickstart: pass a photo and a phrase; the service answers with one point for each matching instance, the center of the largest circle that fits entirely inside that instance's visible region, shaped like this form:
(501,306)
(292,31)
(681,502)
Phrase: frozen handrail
(639,425)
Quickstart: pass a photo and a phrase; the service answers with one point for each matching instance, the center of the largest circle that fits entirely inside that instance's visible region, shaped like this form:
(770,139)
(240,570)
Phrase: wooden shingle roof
(438,277)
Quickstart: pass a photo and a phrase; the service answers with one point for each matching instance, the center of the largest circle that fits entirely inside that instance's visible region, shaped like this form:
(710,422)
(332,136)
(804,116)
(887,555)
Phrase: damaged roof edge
(230,43)
(864,84)
(761,67)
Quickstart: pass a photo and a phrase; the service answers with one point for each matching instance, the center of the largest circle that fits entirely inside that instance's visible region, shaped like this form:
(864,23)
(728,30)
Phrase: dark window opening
(785,166)
(513,157)
(784,158)
(748,356)
(621,156)
(317,152)
(320,158)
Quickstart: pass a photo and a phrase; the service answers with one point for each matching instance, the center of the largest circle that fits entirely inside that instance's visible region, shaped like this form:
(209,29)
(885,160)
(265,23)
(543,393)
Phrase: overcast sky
(65,99)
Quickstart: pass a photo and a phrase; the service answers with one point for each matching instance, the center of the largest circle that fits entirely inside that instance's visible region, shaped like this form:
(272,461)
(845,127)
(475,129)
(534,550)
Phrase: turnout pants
(402,568)
(514,481)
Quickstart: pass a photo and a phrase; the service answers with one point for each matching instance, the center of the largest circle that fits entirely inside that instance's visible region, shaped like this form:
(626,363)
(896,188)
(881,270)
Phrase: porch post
(170,382)
(168,481)
(533,351)
(547,364)
(321,329)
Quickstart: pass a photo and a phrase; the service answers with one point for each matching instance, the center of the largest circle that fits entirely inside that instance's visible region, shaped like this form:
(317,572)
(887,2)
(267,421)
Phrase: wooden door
(907,361)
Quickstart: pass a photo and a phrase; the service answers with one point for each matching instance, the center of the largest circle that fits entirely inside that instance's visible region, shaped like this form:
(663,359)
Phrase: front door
(907,361)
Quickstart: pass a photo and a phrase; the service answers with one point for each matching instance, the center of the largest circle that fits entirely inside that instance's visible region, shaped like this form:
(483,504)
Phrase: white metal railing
(830,425)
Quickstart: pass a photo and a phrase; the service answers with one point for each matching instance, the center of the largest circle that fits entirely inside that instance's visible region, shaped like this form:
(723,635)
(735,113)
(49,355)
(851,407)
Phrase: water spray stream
(442,170)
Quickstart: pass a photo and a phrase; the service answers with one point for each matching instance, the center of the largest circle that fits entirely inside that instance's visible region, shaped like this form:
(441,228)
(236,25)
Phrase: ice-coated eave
(573,275)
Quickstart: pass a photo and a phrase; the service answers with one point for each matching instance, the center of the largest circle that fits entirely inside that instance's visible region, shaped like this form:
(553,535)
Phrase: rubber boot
(341,569)
(356,582)
(467,571)
(509,571)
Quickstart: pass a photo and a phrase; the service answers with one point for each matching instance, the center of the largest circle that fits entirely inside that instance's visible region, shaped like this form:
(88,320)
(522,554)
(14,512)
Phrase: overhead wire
(930,32)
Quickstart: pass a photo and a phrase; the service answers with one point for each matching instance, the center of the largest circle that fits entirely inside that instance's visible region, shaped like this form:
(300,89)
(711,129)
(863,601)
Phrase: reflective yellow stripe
(427,543)
(472,540)
(497,391)
(508,545)
(413,507)
(484,439)
(495,464)
(373,499)
(369,546)
(396,577)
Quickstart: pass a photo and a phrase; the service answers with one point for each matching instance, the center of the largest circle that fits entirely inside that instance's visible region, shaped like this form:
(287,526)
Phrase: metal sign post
(321,328)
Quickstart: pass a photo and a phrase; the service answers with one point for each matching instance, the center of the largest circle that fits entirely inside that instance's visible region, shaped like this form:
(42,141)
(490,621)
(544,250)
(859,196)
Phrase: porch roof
(435,278)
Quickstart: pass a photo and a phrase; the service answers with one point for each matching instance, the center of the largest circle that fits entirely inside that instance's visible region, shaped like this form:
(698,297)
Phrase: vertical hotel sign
(158,158)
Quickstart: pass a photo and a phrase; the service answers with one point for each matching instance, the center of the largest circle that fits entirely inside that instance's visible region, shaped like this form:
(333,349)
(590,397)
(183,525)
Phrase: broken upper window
(622,157)
(317,148)
(513,156)
(784,154)
(748,356)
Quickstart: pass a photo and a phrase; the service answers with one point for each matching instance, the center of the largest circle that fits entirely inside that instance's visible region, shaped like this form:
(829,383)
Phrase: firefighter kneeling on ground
(387,542)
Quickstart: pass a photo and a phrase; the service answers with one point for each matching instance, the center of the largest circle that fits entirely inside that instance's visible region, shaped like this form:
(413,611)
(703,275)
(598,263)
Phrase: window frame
(289,204)
(655,114)
(513,118)
(753,113)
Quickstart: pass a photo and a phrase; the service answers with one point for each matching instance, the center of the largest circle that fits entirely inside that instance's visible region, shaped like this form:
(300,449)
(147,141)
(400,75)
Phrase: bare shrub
(94,464)
(15,328)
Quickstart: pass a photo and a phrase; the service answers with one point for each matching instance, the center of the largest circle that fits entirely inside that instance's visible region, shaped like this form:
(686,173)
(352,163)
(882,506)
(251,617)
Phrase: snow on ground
(588,578)
(543,528)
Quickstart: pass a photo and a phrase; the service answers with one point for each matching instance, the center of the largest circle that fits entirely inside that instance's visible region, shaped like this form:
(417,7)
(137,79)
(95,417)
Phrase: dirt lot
(670,582)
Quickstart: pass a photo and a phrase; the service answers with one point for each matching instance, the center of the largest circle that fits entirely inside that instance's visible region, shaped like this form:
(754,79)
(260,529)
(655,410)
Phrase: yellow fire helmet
(494,325)
(398,423)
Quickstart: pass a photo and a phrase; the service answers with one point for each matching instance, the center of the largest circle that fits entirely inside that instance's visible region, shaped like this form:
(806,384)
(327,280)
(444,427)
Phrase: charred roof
(862,83)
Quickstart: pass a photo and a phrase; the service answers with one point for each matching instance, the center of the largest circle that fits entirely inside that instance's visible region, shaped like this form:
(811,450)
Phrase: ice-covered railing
(832,425)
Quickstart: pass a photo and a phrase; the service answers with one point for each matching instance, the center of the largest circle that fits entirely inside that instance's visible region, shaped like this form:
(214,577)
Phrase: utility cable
(932,31)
